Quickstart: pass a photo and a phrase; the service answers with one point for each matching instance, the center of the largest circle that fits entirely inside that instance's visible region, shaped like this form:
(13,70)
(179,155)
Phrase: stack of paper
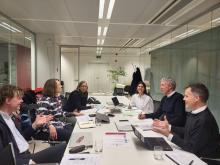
(184,158)
(81,159)
(115,139)
(123,126)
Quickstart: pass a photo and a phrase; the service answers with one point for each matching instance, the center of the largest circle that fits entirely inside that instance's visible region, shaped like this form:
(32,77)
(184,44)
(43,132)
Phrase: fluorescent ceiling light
(11,27)
(110,8)
(7,28)
(99,30)
(216,20)
(105,30)
(28,38)
(101,8)
(98,41)
(187,33)
(102,42)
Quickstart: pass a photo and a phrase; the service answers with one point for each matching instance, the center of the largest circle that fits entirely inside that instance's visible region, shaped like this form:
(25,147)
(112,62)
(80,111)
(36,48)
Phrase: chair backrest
(7,155)
(156,105)
(118,92)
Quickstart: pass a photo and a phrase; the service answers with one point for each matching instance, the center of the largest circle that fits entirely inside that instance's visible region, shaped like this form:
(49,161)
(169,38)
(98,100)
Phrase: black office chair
(118,92)
(156,105)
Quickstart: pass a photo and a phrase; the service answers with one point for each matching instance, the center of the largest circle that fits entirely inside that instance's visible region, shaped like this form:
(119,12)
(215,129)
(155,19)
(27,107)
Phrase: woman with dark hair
(141,100)
(78,99)
(51,104)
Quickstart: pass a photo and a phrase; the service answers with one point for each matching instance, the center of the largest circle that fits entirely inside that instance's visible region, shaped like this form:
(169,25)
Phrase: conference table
(132,153)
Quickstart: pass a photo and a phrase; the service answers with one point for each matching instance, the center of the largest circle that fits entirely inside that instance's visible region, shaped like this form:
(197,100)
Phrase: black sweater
(199,136)
(174,109)
(76,101)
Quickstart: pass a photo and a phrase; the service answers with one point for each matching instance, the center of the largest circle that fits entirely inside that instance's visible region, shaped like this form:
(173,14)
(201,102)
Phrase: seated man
(10,101)
(172,104)
(201,133)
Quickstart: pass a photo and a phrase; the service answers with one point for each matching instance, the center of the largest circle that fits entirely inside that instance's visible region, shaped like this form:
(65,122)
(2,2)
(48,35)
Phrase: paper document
(81,159)
(123,126)
(115,139)
(184,158)
(81,138)
(83,118)
(85,122)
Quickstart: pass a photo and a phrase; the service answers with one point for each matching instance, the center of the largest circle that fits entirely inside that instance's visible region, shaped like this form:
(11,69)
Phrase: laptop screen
(115,101)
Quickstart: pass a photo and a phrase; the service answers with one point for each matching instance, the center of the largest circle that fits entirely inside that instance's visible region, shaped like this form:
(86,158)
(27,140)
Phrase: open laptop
(7,155)
(116,102)
(150,142)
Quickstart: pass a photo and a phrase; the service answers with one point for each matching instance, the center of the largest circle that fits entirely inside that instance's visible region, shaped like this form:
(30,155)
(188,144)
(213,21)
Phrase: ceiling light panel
(101,8)
(110,9)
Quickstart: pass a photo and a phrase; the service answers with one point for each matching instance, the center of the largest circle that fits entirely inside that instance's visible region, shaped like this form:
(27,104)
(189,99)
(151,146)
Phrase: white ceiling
(75,22)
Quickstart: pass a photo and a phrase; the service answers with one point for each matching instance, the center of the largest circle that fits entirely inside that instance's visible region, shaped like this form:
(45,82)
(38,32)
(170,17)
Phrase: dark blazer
(199,136)
(77,100)
(7,137)
(174,109)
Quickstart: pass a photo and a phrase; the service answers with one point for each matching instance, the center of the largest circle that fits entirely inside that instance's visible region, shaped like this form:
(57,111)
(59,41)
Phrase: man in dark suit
(172,105)
(10,101)
(201,133)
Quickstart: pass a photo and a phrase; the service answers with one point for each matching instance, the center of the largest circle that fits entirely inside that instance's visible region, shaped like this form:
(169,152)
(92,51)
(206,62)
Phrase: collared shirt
(143,102)
(193,112)
(199,109)
(171,94)
(20,141)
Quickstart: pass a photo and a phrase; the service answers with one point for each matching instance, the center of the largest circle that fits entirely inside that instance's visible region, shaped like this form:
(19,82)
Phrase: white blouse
(143,102)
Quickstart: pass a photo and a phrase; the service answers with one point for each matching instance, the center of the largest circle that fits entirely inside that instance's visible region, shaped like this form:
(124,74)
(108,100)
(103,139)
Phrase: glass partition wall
(17,55)
(189,54)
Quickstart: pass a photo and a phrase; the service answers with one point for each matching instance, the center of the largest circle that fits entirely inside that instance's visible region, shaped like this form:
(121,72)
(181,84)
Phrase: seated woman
(141,100)
(78,99)
(50,104)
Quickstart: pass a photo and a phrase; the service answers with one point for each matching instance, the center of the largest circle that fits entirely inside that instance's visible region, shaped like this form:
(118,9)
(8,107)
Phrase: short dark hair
(50,87)
(141,82)
(9,91)
(200,90)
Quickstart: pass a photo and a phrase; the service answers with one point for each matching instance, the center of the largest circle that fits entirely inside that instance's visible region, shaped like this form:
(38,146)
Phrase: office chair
(156,105)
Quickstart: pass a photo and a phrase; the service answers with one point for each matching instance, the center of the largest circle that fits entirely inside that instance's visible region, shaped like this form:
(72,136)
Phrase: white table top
(133,153)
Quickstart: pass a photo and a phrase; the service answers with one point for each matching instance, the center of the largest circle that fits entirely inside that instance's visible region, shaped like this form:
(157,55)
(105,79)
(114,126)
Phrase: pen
(171,159)
(191,162)
(77,158)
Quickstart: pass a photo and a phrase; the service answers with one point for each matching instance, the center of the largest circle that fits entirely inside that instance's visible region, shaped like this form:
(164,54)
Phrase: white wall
(69,71)
(47,59)
(85,71)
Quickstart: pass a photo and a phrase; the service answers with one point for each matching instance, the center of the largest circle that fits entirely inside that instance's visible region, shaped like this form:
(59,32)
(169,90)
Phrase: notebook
(150,142)
(85,122)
